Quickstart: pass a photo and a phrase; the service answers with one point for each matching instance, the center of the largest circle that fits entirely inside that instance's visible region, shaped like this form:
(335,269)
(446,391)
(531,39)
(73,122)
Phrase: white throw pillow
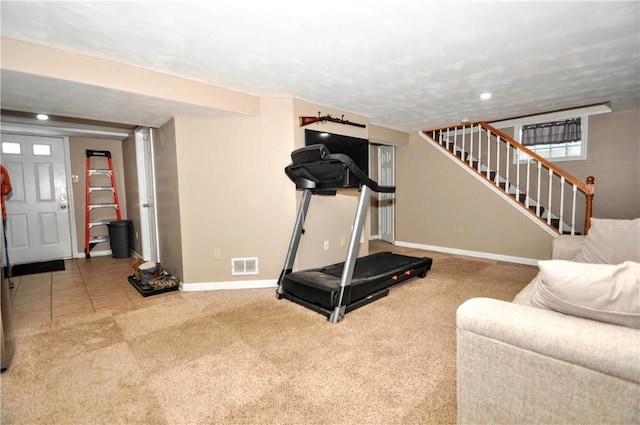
(603,292)
(611,241)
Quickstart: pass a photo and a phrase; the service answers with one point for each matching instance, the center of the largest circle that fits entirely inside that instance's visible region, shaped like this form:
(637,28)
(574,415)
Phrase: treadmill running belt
(372,265)
(372,273)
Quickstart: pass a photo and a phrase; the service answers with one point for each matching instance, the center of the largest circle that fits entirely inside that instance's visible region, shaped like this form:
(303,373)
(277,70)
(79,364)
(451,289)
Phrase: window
(559,140)
(11,148)
(42,150)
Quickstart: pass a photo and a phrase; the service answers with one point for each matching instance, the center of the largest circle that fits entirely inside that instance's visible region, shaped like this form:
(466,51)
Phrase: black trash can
(120,237)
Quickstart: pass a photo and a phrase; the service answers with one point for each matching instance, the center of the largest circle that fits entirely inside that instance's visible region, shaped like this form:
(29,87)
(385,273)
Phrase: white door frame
(23,131)
(386,201)
(147,196)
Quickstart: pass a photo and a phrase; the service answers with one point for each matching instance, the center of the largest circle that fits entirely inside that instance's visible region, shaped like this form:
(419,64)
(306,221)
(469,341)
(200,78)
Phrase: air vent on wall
(244,266)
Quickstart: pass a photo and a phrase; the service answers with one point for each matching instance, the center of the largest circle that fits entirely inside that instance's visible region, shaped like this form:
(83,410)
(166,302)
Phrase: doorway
(386,201)
(38,209)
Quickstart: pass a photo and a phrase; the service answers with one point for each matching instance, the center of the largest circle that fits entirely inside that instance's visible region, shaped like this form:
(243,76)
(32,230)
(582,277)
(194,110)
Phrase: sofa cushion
(611,241)
(524,296)
(603,292)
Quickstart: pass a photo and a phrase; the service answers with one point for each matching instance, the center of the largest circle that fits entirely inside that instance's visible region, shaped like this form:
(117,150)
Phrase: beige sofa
(519,364)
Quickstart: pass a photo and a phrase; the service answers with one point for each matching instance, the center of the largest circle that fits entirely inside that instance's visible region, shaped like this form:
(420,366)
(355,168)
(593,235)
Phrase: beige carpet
(243,357)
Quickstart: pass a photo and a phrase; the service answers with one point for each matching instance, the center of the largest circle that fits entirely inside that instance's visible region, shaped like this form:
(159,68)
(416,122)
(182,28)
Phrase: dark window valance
(552,132)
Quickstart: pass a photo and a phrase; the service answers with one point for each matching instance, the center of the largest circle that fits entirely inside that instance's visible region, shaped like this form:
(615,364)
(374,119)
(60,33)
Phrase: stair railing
(540,186)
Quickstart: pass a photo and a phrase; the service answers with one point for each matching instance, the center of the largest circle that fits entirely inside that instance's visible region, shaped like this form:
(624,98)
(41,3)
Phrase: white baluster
(497,179)
(549,202)
(562,184)
(488,152)
(479,148)
(471,147)
(526,200)
(506,182)
(518,176)
(573,211)
(538,194)
(455,140)
(463,146)
(448,142)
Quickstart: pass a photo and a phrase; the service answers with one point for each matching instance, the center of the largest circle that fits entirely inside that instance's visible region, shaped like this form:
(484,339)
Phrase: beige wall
(613,158)
(168,199)
(78,159)
(387,136)
(435,197)
(234,196)
(233,193)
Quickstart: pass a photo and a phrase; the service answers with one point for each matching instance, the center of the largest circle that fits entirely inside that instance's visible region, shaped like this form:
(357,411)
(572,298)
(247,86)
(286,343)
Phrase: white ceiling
(405,64)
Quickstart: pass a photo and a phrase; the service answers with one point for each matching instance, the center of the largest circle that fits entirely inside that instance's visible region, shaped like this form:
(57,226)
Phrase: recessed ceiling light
(42,117)
(485,96)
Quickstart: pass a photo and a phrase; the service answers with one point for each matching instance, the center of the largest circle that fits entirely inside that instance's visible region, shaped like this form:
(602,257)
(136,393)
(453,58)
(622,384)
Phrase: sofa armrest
(520,364)
(565,247)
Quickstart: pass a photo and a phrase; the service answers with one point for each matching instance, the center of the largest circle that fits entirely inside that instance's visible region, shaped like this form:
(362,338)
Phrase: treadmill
(340,288)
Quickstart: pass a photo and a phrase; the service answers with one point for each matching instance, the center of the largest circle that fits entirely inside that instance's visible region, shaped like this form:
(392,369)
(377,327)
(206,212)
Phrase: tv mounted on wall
(355,148)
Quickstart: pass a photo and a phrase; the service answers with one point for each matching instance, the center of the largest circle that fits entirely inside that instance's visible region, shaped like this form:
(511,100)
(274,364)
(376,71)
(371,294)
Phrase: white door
(146,189)
(38,226)
(386,173)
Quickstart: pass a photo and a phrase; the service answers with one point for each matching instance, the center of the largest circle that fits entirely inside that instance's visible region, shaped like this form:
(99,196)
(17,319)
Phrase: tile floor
(85,286)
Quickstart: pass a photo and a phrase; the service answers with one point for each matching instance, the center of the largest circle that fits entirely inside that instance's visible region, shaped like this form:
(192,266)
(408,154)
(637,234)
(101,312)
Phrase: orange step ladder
(102,201)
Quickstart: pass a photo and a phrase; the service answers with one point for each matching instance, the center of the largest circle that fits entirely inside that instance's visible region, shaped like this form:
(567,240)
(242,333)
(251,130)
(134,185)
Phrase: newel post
(590,189)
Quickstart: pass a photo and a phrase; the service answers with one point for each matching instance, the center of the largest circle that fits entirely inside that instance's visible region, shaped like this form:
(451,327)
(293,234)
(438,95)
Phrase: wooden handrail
(543,161)
(587,188)
(520,147)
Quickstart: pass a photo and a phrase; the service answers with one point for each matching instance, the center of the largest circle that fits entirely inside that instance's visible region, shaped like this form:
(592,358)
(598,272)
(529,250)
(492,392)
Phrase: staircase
(543,191)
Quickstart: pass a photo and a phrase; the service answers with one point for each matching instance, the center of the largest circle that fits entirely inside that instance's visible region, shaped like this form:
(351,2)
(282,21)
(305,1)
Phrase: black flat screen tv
(355,148)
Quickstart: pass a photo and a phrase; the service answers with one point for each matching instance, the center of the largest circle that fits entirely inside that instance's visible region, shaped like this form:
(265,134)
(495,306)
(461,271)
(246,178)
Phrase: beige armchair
(520,364)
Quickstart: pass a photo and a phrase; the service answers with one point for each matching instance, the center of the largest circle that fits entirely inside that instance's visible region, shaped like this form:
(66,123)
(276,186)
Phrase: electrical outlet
(343,241)
(460,230)
(217,254)
(326,245)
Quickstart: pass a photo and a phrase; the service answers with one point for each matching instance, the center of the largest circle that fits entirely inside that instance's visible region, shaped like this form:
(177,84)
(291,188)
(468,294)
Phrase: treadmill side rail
(295,239)
(352,255)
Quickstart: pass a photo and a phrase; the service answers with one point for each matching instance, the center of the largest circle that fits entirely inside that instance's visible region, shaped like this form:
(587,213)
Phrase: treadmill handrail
(314,155)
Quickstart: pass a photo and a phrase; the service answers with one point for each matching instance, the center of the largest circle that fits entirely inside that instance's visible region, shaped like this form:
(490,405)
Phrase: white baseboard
(476,254)
(241,284)
(273,283)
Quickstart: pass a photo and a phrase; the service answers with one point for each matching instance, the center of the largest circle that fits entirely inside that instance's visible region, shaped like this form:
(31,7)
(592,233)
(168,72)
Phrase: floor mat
(33,268)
